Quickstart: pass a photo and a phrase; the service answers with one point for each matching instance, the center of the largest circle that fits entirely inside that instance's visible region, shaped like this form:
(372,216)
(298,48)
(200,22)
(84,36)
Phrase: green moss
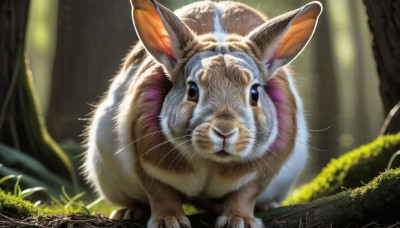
(12,204)
(17,206)
(379,193)
(376,201)
(349,170)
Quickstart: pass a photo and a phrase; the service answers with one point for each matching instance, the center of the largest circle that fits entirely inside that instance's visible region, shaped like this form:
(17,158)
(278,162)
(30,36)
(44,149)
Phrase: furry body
(145,139)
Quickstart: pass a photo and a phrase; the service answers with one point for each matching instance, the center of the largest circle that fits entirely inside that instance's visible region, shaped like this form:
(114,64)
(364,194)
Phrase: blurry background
(75,48)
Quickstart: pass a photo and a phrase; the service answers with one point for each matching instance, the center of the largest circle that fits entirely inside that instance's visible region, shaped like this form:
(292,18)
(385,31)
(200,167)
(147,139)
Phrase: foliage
(64,204)
(22,127)
(17,205)
(35,174)
(18,192)
(71,204)
(350,170)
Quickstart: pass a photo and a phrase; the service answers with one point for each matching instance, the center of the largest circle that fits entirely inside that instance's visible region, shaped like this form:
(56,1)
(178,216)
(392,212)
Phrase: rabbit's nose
(223,135)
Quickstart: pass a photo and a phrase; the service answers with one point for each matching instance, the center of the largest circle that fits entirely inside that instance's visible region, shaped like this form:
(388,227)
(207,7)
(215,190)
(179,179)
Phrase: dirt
(73,220)
(79,220)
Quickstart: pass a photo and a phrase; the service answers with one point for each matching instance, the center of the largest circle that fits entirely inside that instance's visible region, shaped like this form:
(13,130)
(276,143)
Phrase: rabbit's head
(219,107)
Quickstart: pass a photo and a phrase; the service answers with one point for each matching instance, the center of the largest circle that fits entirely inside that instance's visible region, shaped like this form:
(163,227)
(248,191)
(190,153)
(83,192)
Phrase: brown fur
(265,168)
(239,18)
(203,12)
(225,81)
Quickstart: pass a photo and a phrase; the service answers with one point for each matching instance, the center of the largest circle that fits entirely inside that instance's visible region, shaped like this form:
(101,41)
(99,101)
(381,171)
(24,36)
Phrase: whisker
(180,156)
(147,135)
(163,143)
(255,160)
(279,159)
(308,144)
(273,154)
(248,125)
(319,130)
(190,159)
(175,147)
(183,153)
(126,146)
(304,143)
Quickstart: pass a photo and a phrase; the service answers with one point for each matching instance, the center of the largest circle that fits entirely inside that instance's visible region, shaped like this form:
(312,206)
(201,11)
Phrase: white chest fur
(204,181)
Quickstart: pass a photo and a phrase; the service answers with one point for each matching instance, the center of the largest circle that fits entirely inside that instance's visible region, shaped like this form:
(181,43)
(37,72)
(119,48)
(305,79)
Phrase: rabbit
(204,107)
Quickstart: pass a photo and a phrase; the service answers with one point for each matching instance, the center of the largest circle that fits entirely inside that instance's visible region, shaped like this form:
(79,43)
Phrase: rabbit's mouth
(222,153)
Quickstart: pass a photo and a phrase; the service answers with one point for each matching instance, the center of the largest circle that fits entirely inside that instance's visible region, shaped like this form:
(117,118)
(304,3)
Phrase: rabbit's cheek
(201,140)
(244,142)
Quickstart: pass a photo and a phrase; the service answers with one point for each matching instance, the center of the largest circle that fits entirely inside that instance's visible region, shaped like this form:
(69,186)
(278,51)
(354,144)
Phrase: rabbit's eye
(193,92)
(254,95)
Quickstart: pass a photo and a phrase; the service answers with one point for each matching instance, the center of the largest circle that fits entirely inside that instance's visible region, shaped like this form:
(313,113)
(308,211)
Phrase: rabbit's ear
(163,34)
(282,38)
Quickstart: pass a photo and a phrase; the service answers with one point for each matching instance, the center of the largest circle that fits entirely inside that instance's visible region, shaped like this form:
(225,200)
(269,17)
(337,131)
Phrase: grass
(17,188)
(14,201)
(395,155)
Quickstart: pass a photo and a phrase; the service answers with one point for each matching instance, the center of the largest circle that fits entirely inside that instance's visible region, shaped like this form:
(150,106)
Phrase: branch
(350,170)
(378,201)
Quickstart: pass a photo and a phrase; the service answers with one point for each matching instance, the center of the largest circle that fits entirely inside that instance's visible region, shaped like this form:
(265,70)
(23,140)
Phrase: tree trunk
(327,107)
(92,38)
(361,126)
(13,19)
(20,125)
(384,23)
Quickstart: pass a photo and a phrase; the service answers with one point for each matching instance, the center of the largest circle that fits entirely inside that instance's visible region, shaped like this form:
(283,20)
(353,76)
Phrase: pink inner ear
(166,43)
(152,32)
(296,37)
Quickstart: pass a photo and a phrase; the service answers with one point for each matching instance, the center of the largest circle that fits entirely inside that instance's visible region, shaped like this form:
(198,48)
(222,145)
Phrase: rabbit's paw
(169,221)
(238,222)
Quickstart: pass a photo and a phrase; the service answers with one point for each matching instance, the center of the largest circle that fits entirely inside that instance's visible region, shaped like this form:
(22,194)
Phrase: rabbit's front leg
(166,207)
(238,208)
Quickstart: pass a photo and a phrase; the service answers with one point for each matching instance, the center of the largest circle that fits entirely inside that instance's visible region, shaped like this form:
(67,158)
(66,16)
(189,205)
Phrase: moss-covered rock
(13,205)
(380,196)
(378,202)
(350,170)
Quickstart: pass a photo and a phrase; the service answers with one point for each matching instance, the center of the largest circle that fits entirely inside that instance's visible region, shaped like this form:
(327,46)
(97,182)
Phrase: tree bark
(20,125)
(384,23)
(327,108)
(92,38)
(14,15)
